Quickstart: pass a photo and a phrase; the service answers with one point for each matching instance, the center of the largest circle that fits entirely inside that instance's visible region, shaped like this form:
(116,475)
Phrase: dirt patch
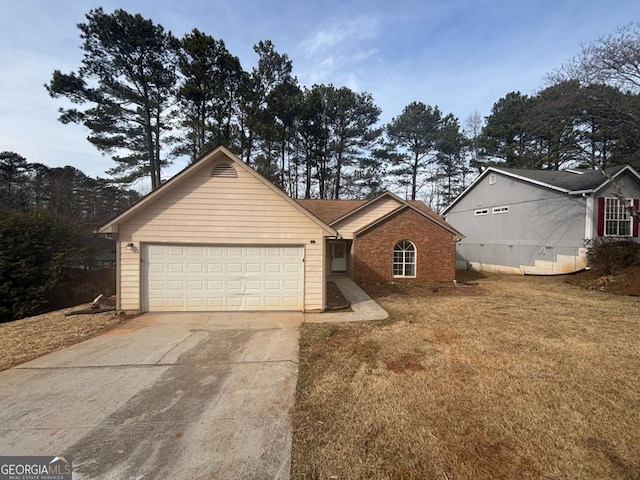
(421,289)
(625,282)
(335,298)
(405,363)
(29,338)
(522,377)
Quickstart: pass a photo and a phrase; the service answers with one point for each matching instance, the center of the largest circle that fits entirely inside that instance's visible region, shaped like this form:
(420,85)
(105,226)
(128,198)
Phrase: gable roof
(331,210)
(334,211)
(571,182)
(216,155)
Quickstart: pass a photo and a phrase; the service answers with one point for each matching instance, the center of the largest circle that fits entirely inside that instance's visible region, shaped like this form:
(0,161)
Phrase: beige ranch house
(220,237)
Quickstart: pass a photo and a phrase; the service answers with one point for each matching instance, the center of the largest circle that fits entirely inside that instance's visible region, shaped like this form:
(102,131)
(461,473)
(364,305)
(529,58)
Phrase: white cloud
(340,34)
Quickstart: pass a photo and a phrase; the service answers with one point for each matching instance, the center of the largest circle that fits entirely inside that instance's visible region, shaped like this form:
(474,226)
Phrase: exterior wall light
(129,247)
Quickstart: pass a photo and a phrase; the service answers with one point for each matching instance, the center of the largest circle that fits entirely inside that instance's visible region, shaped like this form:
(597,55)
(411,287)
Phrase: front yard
(516,377)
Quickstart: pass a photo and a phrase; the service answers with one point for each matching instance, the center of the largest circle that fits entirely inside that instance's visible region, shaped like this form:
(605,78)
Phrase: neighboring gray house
(536,221)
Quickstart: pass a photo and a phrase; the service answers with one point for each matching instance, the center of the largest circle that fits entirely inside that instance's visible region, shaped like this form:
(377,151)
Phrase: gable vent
(224,170)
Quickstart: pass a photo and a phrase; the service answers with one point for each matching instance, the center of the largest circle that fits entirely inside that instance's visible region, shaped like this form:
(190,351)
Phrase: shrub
(35,250)
(611,254)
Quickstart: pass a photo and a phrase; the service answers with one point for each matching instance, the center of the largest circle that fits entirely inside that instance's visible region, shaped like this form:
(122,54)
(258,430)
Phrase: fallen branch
(90,311)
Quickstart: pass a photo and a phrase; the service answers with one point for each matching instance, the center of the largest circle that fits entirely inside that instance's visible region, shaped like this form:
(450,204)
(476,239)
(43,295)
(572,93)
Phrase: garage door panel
(175,302)
(273,302)
(254,302)
(176,285)
(215,267)
(197,303)
(234,286)
(234,268)
(215,303)
(272,285)
(290,301)
(156,268)
(291,285)
(195,268)
(176,268)
(291,268)
(254,268)
(194,278)
(273,268)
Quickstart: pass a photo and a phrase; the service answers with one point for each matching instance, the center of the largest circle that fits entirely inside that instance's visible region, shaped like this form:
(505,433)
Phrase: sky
(461,55)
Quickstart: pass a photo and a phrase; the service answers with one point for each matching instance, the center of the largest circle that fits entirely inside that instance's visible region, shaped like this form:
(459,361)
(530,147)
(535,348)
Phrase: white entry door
(338,257)
(220,278)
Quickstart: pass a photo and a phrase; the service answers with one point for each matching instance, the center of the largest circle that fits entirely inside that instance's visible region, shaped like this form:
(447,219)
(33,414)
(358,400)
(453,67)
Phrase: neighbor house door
(338,257)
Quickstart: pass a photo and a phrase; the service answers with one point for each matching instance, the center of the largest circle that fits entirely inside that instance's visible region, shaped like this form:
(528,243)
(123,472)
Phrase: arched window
(404,259)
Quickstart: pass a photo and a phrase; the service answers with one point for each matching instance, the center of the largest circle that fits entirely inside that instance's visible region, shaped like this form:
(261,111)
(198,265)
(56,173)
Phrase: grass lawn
(513,378)
(29,338)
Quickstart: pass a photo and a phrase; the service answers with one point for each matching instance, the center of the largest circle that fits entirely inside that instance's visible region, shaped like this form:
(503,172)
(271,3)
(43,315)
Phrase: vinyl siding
(364,217)
(543,230)
(223,211)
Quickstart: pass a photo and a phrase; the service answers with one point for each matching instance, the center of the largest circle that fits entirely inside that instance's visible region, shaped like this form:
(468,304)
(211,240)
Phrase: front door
(338,257)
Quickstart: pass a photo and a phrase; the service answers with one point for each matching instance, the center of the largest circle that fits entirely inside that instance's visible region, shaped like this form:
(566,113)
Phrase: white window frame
(503,209)
(482,211)
(615,215)
(492,179)
(402,257)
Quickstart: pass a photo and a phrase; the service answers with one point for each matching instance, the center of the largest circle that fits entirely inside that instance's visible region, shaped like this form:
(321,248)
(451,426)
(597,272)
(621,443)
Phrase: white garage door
(209,278)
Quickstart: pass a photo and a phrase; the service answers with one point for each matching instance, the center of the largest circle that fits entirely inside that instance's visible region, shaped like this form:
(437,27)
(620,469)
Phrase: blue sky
(462,55)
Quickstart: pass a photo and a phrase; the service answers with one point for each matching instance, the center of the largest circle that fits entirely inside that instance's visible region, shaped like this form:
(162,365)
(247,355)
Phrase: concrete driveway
(164,396)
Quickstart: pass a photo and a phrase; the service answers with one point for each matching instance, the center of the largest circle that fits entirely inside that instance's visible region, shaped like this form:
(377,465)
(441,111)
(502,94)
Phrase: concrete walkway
(363,306)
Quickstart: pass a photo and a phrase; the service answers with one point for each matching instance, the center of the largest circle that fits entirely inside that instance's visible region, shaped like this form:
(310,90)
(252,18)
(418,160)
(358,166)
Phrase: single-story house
(536,221)
(218,236)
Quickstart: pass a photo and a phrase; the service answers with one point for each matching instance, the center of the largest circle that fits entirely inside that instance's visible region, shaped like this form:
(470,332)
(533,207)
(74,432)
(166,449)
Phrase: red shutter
(601,217)
(635,220)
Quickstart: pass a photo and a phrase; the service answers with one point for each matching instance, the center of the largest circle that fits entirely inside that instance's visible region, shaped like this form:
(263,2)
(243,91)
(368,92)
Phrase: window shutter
(601,216)
(635,220)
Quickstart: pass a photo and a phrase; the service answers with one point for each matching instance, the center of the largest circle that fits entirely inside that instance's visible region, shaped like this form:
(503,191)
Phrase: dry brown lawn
(514,378)
(29,338)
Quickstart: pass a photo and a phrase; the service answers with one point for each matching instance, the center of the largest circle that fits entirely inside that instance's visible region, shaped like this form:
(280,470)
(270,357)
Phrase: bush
(35,250)
(611,254)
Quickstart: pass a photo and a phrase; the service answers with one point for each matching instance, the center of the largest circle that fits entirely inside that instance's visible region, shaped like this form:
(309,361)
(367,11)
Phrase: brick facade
(373,250)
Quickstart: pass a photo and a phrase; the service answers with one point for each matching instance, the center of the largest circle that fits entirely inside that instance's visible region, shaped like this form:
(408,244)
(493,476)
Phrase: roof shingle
(330,210)
(567,180)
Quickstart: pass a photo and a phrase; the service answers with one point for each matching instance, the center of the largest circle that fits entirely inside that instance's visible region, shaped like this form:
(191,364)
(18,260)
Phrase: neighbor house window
(617,221)
(504,209)
(404,259)
(482,211)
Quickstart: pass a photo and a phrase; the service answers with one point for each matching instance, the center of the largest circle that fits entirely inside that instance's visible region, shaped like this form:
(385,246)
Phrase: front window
(404,259)
(617,221)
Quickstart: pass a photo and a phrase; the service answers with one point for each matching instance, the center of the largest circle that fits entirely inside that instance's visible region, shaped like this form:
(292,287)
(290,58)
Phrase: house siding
(364,217)
(542,233)
(209,210)
(372,253)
